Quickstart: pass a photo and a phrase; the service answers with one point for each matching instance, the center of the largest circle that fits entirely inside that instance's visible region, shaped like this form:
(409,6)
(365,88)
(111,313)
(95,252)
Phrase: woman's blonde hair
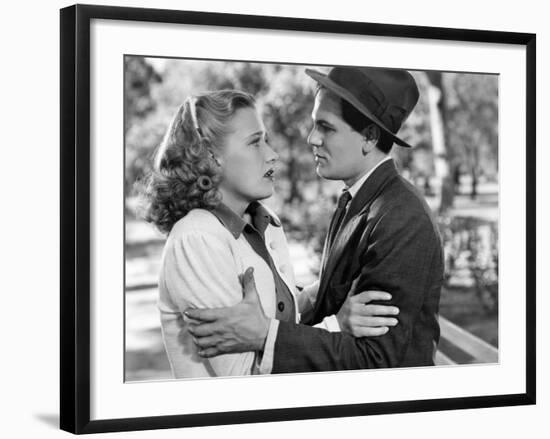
(186,174)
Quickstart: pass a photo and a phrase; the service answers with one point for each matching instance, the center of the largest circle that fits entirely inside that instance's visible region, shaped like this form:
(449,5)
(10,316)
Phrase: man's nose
(314,139)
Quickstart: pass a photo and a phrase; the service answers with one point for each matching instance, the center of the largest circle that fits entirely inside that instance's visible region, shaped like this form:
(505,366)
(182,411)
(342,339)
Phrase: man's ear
(370,134)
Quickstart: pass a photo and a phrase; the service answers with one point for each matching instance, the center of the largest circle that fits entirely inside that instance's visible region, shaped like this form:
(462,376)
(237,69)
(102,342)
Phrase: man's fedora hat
(386,96)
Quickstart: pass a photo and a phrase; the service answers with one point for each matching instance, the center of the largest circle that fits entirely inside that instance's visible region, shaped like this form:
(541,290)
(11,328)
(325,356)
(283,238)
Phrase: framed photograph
(152,103)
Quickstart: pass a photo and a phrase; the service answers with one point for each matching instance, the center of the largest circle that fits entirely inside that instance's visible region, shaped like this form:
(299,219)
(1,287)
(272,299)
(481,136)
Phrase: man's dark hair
(358,121)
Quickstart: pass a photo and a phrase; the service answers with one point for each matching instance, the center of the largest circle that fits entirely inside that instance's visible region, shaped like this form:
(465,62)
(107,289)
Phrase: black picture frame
(75,216)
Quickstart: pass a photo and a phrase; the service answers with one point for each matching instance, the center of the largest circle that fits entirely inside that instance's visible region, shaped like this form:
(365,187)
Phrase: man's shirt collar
(357,185)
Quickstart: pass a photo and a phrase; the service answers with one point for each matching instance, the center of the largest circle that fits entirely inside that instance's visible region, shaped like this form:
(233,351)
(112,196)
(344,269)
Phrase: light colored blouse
(202,261)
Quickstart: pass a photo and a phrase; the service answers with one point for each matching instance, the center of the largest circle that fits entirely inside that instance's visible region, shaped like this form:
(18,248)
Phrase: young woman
(212,169)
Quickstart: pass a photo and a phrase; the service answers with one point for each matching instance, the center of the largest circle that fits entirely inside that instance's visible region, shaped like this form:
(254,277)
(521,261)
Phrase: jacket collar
(260,218)
(372,187)
(354,188)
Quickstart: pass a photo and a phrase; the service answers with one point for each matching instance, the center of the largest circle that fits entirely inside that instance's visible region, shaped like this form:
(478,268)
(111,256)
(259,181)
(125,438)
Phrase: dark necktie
(339,214)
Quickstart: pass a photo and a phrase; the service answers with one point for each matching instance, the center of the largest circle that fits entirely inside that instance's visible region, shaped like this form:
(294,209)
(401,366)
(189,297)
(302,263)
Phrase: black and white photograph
(275,219)
(295,218)
(272,219)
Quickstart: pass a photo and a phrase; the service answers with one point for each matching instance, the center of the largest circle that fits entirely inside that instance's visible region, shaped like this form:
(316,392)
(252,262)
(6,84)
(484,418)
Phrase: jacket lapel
(371,188)
(360,204)
(339,245)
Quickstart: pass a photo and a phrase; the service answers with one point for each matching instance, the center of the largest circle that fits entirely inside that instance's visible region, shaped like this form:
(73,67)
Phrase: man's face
(337,147)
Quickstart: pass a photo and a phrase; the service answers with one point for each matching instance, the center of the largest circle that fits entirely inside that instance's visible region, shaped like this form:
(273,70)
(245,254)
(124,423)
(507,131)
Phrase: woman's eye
(258,141)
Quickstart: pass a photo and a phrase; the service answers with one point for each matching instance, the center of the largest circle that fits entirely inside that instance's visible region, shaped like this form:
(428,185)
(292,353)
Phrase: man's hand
(358,318)
(240,328)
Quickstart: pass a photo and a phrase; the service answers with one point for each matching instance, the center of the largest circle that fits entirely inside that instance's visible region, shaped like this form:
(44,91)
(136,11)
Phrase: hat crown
(389,94)
(386,96)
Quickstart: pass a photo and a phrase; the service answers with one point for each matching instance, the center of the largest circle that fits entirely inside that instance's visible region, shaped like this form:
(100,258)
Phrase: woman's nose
(271,155)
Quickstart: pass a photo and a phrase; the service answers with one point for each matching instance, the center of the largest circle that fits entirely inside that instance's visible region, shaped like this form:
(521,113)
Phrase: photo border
(75,216)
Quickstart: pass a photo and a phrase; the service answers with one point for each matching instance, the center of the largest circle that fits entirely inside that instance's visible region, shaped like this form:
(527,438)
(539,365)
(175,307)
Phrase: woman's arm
(201,272)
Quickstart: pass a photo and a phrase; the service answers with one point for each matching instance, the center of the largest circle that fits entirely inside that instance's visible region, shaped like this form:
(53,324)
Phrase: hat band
(372,103)
(369,94)
(371,100)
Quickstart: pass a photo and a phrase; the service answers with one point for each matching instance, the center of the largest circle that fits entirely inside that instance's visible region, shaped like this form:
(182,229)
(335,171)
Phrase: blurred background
(454,163)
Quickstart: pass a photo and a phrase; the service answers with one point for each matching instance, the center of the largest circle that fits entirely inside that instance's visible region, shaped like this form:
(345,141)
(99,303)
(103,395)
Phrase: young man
(382,237)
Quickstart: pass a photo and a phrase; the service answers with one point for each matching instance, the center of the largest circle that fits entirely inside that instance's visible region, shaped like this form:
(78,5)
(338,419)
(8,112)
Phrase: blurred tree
(437,97)
(417,162)
(250,77)
(453,128)
(287,112)
(139,77)
(473,123)
(466,106)
(139,80)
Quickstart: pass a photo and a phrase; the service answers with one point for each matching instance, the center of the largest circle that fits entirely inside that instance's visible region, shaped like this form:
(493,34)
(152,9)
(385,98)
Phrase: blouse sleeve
(201,272)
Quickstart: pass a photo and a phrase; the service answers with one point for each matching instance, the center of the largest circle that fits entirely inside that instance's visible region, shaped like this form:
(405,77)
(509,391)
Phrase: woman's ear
(216,159)
(370,134)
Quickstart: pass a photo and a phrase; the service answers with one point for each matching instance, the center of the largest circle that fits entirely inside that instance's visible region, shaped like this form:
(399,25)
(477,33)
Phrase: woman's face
(247,160)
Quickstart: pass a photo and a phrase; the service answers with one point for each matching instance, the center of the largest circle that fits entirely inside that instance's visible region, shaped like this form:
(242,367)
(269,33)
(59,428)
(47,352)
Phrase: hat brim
(328,83)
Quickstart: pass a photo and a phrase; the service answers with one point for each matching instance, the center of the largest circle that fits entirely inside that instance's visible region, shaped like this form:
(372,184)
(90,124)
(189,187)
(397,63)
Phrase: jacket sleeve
(397,257)
(201,272)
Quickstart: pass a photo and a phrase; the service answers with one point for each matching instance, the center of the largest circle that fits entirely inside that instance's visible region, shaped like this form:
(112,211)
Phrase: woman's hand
(361,319)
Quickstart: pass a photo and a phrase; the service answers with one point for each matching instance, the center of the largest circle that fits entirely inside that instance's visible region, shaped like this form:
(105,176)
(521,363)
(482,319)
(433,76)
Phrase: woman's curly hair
(186,174)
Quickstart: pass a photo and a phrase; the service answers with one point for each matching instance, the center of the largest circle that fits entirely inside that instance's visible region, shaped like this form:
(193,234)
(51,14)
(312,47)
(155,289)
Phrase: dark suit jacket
(388,241)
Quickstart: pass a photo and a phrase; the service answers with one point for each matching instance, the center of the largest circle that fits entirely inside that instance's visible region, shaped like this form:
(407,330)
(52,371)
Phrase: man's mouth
(269,174)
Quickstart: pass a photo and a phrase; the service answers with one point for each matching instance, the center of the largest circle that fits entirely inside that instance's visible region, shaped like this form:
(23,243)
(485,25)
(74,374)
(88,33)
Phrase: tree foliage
(154,89)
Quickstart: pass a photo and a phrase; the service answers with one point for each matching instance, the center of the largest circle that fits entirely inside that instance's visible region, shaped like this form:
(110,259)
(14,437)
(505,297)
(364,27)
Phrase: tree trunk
(443,184)
(473,193)
(293,177)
